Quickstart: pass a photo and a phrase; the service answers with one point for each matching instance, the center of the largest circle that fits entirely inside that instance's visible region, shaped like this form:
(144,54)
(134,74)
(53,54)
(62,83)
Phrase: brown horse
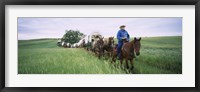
(114,53)
(128,51)
(108,45)
(101,42)
(98,47)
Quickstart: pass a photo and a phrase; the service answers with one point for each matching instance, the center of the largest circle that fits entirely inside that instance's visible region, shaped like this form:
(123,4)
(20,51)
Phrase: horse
(82,43)
(98,47)
(128,51)
(75,45)
(114,53)
(108,45)
(64,44)
(59,42)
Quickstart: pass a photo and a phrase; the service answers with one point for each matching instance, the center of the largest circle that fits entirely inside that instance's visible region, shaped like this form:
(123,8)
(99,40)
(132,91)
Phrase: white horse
(75,45)
(63,43)
(66,44)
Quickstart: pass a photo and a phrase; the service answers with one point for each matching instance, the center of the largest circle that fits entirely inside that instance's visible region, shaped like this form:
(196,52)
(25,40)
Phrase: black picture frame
(3,3)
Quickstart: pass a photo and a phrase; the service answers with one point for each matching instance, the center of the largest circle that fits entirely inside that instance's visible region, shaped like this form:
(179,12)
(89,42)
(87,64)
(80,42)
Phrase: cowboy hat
(122,26)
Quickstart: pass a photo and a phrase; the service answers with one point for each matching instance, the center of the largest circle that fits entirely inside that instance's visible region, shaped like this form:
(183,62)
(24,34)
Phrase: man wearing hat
(122,34)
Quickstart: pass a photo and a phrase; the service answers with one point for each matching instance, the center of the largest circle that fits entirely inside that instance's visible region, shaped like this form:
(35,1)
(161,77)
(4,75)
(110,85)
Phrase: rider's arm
(119,36)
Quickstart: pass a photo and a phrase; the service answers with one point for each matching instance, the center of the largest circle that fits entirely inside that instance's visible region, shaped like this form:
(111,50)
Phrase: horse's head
(100,42)
(137,45)
(111,41)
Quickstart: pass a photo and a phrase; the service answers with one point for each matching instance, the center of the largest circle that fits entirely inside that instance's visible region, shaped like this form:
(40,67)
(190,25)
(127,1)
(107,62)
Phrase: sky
(36,28)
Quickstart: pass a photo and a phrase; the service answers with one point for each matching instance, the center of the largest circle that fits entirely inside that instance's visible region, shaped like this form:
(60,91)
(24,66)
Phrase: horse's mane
(132,42)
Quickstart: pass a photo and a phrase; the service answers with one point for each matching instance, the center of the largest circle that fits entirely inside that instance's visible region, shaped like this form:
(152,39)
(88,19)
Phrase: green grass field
(159,55)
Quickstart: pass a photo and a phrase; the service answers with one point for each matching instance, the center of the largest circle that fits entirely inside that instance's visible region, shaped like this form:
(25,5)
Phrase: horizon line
(104,36)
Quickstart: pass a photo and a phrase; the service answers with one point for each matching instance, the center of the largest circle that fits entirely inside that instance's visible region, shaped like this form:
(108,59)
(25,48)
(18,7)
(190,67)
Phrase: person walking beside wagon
(121,35)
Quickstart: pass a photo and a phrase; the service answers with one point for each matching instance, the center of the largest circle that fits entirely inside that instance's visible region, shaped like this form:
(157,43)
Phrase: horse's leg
(102,54)
(110,53)
(121,61)
(113,57)
(127,63)
(132,65)
(107,55)
(99,54)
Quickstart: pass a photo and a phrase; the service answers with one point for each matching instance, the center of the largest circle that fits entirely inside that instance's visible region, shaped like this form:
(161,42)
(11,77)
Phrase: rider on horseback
(121,35)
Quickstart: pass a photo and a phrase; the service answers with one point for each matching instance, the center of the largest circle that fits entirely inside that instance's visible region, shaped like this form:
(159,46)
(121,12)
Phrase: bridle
(136,44)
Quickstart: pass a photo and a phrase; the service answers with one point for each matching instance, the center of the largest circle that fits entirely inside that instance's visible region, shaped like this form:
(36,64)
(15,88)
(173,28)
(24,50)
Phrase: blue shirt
(122,34)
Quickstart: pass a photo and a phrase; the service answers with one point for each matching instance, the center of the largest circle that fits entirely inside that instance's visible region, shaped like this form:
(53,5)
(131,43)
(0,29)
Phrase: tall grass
(37,58)
(159,55)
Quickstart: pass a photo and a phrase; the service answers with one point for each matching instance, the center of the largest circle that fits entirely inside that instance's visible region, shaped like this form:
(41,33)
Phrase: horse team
(105,47)
(68,45)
